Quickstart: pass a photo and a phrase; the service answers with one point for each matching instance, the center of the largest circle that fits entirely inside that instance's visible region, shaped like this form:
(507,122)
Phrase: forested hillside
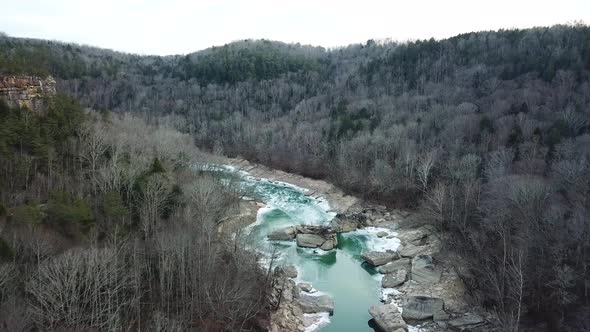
(487,134)
(105,226)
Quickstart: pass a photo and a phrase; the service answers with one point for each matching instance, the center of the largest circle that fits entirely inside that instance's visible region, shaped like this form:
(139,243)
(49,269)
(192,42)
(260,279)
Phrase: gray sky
(183,26)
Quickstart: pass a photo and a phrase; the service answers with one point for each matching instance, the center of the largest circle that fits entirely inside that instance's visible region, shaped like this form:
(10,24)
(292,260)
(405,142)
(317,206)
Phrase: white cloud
(182,26)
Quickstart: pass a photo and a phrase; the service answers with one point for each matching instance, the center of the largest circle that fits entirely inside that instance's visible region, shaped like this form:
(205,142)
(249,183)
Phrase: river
(340,273)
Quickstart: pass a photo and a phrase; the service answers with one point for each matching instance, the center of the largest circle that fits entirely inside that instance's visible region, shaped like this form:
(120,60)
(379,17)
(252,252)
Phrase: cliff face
(26,91)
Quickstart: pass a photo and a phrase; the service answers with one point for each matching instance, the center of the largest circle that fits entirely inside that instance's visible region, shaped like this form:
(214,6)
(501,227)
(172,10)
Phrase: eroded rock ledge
(26,91)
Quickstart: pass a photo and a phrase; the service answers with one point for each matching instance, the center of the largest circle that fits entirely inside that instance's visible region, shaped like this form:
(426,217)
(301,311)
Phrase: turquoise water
(338,273)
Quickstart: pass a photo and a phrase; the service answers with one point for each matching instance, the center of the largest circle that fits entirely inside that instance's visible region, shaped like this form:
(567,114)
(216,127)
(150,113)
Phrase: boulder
(391,267)
(422,307)
(411,250)
(378,258)
(329,244)
(283,234)
(382,234)
(469,320)
(424,270)
(286,270)
(388,318)
(310,240)
(394,279)
(313,304)
(306,287)
(345,224)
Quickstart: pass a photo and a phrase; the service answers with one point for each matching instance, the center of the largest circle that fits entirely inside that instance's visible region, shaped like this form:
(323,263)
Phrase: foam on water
(375,243)
(320,320)
(339,272)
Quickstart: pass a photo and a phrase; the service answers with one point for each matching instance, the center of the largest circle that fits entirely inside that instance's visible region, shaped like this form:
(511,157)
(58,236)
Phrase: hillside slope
(487,134)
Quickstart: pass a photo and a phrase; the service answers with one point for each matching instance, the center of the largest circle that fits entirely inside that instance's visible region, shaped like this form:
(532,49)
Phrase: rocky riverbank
(420,290)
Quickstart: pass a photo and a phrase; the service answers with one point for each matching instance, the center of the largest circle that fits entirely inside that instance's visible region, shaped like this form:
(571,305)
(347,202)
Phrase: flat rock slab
(388,318)
(283,234)
(421,307)
(466,321)
(310,240)
(313,304)
(411,250)
(394,279)
(400,264)
(382,234)
(287,270)
(378,258)
(424,271)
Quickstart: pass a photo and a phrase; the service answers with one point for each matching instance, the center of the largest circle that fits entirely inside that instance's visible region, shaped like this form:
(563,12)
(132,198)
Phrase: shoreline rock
(309,240)
(425,271)
(421,307)
(378,258)
(312,304)
(394,279)
(388,318)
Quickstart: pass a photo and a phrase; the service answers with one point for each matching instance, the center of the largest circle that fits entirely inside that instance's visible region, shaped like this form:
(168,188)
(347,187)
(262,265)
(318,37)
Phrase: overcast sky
(183,26)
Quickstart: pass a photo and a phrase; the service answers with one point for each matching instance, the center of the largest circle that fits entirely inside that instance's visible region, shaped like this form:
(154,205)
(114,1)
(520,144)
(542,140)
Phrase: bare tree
(151,201)
(424,169)
(81,289)
(94,145)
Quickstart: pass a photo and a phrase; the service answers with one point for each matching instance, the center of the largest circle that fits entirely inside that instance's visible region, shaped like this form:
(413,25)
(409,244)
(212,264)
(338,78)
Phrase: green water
(338,273)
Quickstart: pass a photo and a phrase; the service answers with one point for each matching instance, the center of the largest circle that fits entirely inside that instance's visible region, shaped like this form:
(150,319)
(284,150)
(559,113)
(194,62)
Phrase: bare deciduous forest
(486,134)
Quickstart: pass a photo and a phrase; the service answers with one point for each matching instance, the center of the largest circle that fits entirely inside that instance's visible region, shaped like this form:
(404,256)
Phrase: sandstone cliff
(26,91)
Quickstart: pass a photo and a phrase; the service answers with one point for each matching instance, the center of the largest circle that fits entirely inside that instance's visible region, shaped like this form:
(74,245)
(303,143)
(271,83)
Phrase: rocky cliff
(26,91)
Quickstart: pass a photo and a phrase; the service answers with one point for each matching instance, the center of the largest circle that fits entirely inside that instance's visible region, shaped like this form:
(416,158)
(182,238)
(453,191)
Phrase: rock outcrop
(307,236)
(394,279)
(311,304)
(26,91)
(283,234)
(400,264)
(424,270)
(310,240)
(387,317)
(289,271)
(422,307)
(378,258)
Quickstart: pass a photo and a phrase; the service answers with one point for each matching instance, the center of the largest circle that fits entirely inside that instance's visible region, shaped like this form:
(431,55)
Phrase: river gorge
(339,273)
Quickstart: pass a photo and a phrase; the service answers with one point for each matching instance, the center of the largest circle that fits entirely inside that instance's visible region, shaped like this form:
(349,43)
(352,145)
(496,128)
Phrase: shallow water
(339,273)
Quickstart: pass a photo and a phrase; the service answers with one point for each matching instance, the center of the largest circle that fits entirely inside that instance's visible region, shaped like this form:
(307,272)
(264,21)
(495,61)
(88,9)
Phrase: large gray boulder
(424,271)
(289,271)
(421,307)
(306,287)
(344,226)
(283,234)
(388,318)
(378,258)
(311,304)
(310,240)
(330,243)
(400,264)
(394,279)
